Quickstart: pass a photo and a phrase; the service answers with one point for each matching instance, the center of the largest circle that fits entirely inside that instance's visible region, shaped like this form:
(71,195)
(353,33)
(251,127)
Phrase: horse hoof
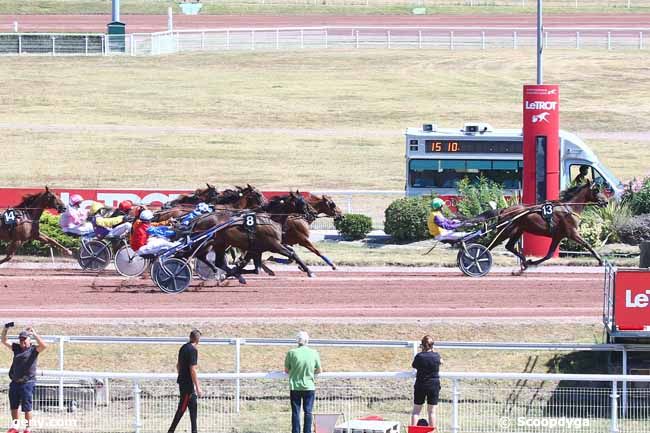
(242,280)
(311,274)
(334,268)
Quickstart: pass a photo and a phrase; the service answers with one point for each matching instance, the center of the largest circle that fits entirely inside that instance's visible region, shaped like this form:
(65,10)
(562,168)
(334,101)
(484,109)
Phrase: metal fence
(470,402)
(321,38)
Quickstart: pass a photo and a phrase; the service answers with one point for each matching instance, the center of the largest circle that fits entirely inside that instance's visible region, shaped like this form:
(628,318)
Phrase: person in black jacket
(427,381)
(188,381)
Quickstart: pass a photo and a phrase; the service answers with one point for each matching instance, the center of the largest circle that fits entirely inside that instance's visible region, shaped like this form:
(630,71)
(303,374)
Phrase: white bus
(436,159)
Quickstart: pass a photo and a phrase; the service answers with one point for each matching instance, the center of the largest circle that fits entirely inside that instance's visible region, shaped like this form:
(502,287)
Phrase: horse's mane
(568,194)
(29,199)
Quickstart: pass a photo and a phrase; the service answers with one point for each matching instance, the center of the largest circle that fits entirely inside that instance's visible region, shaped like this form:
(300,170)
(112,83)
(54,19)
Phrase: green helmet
(437,203)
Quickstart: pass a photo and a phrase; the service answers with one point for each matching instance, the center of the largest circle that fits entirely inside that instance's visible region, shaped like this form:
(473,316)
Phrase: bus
(437,159)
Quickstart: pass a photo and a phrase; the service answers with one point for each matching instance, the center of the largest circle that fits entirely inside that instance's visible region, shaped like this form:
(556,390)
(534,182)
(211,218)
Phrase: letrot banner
(632,300)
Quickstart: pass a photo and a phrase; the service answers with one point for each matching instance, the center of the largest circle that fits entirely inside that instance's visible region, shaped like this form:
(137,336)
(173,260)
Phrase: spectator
(581,178)
(188,381)
(302,364)
(22,374)
(427,382)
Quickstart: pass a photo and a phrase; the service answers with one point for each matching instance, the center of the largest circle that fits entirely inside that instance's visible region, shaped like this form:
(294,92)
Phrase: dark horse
(199,195)
(28,215)
(563,223)
(266,236)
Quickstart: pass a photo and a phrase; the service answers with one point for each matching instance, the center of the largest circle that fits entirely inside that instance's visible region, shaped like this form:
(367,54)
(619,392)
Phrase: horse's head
(297,204)
(209,194)
(252,197)
(326,205)
(596,194)
(48,200)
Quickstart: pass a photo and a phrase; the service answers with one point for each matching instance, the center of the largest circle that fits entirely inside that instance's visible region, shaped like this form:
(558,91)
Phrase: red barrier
(10,197)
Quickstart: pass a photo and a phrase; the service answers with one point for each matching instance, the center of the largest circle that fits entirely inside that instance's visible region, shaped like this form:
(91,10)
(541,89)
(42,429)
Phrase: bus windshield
(446,173)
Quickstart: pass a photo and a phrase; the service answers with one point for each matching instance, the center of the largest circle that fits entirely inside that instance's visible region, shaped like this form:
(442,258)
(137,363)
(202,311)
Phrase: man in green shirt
(302,364)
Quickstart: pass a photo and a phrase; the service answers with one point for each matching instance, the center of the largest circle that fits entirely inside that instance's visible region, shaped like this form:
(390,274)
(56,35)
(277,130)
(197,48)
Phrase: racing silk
(161,232)
(195,213)
(438,224)
(139,235)
(103,225)
(73,217)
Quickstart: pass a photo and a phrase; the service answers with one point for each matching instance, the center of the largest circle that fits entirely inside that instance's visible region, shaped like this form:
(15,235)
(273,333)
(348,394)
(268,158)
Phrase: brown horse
(563,222)
(296,226)
(199,195)
(266,236)
(26,228)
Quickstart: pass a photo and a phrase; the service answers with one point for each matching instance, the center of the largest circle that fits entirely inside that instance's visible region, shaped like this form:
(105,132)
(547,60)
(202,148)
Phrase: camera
(9,325)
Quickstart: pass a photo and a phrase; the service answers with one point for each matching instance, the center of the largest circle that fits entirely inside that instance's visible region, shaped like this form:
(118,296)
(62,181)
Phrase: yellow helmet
(95,207)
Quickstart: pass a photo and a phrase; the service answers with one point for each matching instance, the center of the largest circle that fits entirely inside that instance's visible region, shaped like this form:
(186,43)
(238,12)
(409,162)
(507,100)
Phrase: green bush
(49,226)
(600,225)
(477,195)
(353,226)
(637,196)
(635,230)
(406,219)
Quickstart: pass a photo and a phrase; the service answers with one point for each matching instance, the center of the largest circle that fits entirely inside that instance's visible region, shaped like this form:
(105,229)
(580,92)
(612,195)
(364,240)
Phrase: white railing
(470,402)
(320,38)
(569,4)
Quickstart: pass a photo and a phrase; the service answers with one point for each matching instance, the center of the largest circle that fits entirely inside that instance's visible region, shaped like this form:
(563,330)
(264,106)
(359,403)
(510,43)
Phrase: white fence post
(326,39)
(137,407)
(419,38)
(388,38)
(614,406)
(609,40)
(356,35)
(578,40)
(624,400)
(132,45)
(640,40)
(545,39)
(277,39)
(302,38)
(53,46)
(454,406)
(227,39)
(514,40)
(252,39)
(482,40)
(61,361)
(202,40)
(451,40)
(238,370)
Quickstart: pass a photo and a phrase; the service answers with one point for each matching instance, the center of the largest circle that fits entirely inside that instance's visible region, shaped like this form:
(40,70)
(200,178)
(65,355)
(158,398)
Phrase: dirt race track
(155,23)
(352,293)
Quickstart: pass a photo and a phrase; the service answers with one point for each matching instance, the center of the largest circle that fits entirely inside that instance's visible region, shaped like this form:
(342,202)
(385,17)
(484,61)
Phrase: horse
(296,226)
(563,222)
(26,228)
(199,195)
(266,236)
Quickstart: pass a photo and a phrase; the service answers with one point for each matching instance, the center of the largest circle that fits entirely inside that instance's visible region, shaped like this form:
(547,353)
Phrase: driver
(581,178)
(441,227)
(73,220)
(113,227)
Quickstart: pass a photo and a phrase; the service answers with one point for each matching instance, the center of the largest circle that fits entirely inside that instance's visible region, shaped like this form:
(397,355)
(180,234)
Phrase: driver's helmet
(75,199)
(95,207)
(437,203)
(203,208)
(146,215)
(125,206)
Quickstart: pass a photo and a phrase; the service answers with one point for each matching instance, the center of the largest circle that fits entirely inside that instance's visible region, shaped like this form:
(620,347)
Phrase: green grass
(336,7)
(310,120)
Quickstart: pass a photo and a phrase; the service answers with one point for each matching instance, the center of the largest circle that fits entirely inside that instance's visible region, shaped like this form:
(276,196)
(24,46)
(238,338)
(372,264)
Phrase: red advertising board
(632,300)
(541,151)
(111,197)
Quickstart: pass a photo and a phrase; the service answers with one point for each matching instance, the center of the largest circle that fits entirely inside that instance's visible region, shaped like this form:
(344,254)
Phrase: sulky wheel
(475,260)
(128,263)
(171,275)
(94,255)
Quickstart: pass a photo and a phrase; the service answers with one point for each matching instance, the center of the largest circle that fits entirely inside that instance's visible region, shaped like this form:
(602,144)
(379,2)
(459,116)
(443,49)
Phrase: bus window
(435,173)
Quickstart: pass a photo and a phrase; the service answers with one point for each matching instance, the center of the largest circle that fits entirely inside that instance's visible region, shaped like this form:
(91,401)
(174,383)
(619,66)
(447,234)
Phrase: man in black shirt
(188,381)
(22,374)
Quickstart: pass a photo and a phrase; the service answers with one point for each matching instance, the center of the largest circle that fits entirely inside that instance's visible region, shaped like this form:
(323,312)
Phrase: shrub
(637,196)
(353,226)
(49,226)
(406,219)
(477,195)
(600,225)
(635,230)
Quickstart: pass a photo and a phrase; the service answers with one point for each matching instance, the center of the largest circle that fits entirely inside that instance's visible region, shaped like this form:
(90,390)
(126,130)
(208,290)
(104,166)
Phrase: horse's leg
(50,241)
(262,265)
(554,243)
(575,236)
(291,254)
(511,246)
(305,242)
(11,250)
(220,262)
